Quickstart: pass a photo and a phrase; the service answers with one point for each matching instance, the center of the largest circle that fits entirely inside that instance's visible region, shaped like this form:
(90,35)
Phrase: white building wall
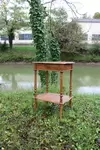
(90,29)
(16,39)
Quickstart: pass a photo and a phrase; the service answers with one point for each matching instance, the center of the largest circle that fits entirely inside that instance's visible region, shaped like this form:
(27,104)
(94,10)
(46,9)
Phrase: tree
(43,48)
(96,15)
(13,16)
(68,34)
(37,16)
(54,24)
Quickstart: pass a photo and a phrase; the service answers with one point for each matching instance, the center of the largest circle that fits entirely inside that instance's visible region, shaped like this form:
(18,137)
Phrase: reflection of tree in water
(10,77)
(6,77)
(14,82)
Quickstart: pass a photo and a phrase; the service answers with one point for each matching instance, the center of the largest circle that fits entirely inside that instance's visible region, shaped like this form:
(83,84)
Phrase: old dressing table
(57,98)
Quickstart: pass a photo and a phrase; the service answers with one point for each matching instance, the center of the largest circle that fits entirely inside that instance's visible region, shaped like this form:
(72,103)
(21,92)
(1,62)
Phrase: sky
(82,6)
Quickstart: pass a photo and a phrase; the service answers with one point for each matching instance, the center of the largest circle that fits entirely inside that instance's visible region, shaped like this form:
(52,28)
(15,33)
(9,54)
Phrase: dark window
(4,37)
(85,37)
(96,37)
(25,36)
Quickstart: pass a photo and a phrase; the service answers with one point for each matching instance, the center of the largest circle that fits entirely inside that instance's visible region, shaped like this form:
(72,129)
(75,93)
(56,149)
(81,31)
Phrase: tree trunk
(11,37)
(10,41)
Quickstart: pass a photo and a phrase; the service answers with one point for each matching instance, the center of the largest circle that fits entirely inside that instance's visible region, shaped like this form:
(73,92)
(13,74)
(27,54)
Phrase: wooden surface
(53,97)
(56,66)
(56,62)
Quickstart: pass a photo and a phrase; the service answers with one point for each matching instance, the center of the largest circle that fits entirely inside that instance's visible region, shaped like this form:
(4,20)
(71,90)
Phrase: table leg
(70,89)
(61,94)
(46,81)
(35,89)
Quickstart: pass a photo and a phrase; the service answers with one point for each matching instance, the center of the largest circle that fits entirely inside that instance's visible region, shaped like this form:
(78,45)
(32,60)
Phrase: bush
(83,48)
(95,49)
(3,47)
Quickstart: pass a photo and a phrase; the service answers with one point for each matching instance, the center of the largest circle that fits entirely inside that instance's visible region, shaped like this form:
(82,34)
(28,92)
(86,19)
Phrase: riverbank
(27,56)
(19,53)
(22,54)
(29,63)
(16,56)
(23,128)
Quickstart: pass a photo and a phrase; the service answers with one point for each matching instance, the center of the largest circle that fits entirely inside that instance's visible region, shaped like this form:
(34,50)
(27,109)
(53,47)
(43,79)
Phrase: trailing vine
(54,48)
(43,51)
(37,16)
(55,56)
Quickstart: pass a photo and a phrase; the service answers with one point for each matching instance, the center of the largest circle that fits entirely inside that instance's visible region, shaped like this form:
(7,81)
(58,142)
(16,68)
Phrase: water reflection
(86,79)
(15,81)
(88,89)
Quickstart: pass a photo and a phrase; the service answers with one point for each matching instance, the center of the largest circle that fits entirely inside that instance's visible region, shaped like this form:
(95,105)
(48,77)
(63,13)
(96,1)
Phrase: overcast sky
(83,6)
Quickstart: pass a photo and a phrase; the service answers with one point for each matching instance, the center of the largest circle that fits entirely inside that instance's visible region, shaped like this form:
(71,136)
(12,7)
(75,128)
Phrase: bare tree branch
(50,12)
(49,2)
(69,4)
(74,7)
(29,1)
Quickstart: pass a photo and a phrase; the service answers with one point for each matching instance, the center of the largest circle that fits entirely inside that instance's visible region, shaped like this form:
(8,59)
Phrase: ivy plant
(44,52)
(55,56)
(37,16)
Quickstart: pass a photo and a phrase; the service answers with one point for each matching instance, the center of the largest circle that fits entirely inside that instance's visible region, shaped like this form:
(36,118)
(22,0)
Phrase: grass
(24,47)
(18,54)
(81,58)
(22,128)
(26,53)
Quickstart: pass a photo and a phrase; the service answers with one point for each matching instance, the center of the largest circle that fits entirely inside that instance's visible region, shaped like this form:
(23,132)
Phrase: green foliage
(26,53)
(16,55)
(37,23)
(86,53)
(59,15)
(3,47)
(95,49)
(13,16)
(97,15)
(43,51)
(55,56)
(80,58)
(68,34)
(25,48)
(37,16)
(23,128)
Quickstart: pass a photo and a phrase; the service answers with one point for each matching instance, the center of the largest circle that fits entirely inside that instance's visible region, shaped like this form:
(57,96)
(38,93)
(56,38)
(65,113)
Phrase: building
(21,37)
(91,29)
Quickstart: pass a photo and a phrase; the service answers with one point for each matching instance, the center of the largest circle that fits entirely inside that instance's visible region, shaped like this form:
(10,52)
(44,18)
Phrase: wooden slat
(56,62)
(53,97)
(54,67)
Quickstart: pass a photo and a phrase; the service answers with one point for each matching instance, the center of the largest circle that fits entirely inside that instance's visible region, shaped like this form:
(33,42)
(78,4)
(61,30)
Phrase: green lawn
(19,53)
(26,53)
(24,47)
(22,128)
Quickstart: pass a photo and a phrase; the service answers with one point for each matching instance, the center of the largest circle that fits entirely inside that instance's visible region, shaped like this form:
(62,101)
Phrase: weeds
(23,128)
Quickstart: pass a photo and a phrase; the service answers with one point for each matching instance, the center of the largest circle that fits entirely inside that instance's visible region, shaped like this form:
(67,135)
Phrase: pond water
(86,78)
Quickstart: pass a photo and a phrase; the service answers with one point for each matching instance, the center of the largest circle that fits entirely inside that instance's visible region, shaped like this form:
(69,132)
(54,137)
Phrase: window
(85,37)
(96,37)
(25,36)
(4,37)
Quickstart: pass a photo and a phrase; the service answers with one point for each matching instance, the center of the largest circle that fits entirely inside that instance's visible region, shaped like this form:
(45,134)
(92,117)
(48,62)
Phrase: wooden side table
(53,97)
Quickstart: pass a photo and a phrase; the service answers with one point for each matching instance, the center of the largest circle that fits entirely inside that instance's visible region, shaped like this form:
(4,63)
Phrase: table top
(54,63)
(53,97)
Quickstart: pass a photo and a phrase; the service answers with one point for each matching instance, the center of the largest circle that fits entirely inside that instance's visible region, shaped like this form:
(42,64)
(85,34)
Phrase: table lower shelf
(53,97)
